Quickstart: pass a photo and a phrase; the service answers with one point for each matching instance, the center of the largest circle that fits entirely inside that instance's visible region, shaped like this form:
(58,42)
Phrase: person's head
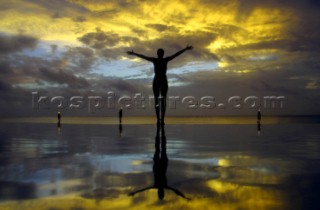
(160,53)
(161,193)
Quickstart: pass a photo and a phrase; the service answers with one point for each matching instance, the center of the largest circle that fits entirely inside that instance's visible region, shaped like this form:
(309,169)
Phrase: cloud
(252,46)
(101,39)
(4,66)
(29,71)
(173,43)
(263,86)
(16,43)
(81,58)
(119,85)
(298,44)
(113,46)
(161,27)
(62,77)
(101,5)
(4,86)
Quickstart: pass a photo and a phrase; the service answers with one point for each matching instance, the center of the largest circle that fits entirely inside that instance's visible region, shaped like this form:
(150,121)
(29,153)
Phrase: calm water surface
(176,167)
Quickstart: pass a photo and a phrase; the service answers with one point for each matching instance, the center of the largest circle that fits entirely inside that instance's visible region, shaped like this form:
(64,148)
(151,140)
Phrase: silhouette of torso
(160,71)
(160,66)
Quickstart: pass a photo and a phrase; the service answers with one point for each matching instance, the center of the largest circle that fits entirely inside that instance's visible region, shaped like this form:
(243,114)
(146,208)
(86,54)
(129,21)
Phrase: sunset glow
(265,42)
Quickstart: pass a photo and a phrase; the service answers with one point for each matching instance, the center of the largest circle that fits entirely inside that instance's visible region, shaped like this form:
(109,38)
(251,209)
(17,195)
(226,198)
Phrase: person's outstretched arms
(188,47)
(140,55)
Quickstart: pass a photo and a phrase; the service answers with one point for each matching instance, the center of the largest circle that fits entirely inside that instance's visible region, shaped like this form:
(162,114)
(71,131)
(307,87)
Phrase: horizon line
(140,120)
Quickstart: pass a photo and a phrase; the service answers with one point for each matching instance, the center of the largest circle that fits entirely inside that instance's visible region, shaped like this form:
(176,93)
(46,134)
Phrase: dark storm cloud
(4,86)
(103,41)
(62,77)
(297,44)
(100,39)
(15,43)
(161,27)
(15,102)
(66,75)
(61,8)
(222,85)
(46,76)
(287,80)
(301,8)
(228,31)
(54,48)
(103,6)
(264,86)
(80,19)
(82,58)
(111,54)
(173,43)
(21,69)
(4,66)
(117,84)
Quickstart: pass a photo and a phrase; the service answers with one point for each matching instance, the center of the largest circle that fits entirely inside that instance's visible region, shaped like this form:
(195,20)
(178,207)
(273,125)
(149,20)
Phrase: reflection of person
(59,122)
(59,127)
(120,115)
(258,121)
(120,129)
(160,165)
(160,82)
(59,117)
(258,127)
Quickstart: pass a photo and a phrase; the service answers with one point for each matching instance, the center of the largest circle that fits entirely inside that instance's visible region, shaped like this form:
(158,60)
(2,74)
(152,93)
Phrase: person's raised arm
(140,55)
(179,52)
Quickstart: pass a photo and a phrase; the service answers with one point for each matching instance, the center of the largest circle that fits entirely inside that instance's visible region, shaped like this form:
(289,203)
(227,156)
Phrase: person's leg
(156,93)
(163,100)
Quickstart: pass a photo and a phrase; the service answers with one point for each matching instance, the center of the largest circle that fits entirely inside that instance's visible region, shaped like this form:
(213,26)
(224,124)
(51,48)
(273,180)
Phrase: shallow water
(198,166)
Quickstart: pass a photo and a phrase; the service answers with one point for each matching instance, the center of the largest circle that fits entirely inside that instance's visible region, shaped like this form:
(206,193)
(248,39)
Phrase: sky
(242,48)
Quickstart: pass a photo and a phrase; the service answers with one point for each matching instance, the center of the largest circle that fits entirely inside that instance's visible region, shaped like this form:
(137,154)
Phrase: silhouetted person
(120,115)
(160,165)
(259,115)
(160,82)
(59,117)
(258,121)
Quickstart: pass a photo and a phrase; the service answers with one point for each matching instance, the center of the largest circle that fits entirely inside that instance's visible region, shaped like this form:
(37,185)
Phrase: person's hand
(130,52)
(189,47)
